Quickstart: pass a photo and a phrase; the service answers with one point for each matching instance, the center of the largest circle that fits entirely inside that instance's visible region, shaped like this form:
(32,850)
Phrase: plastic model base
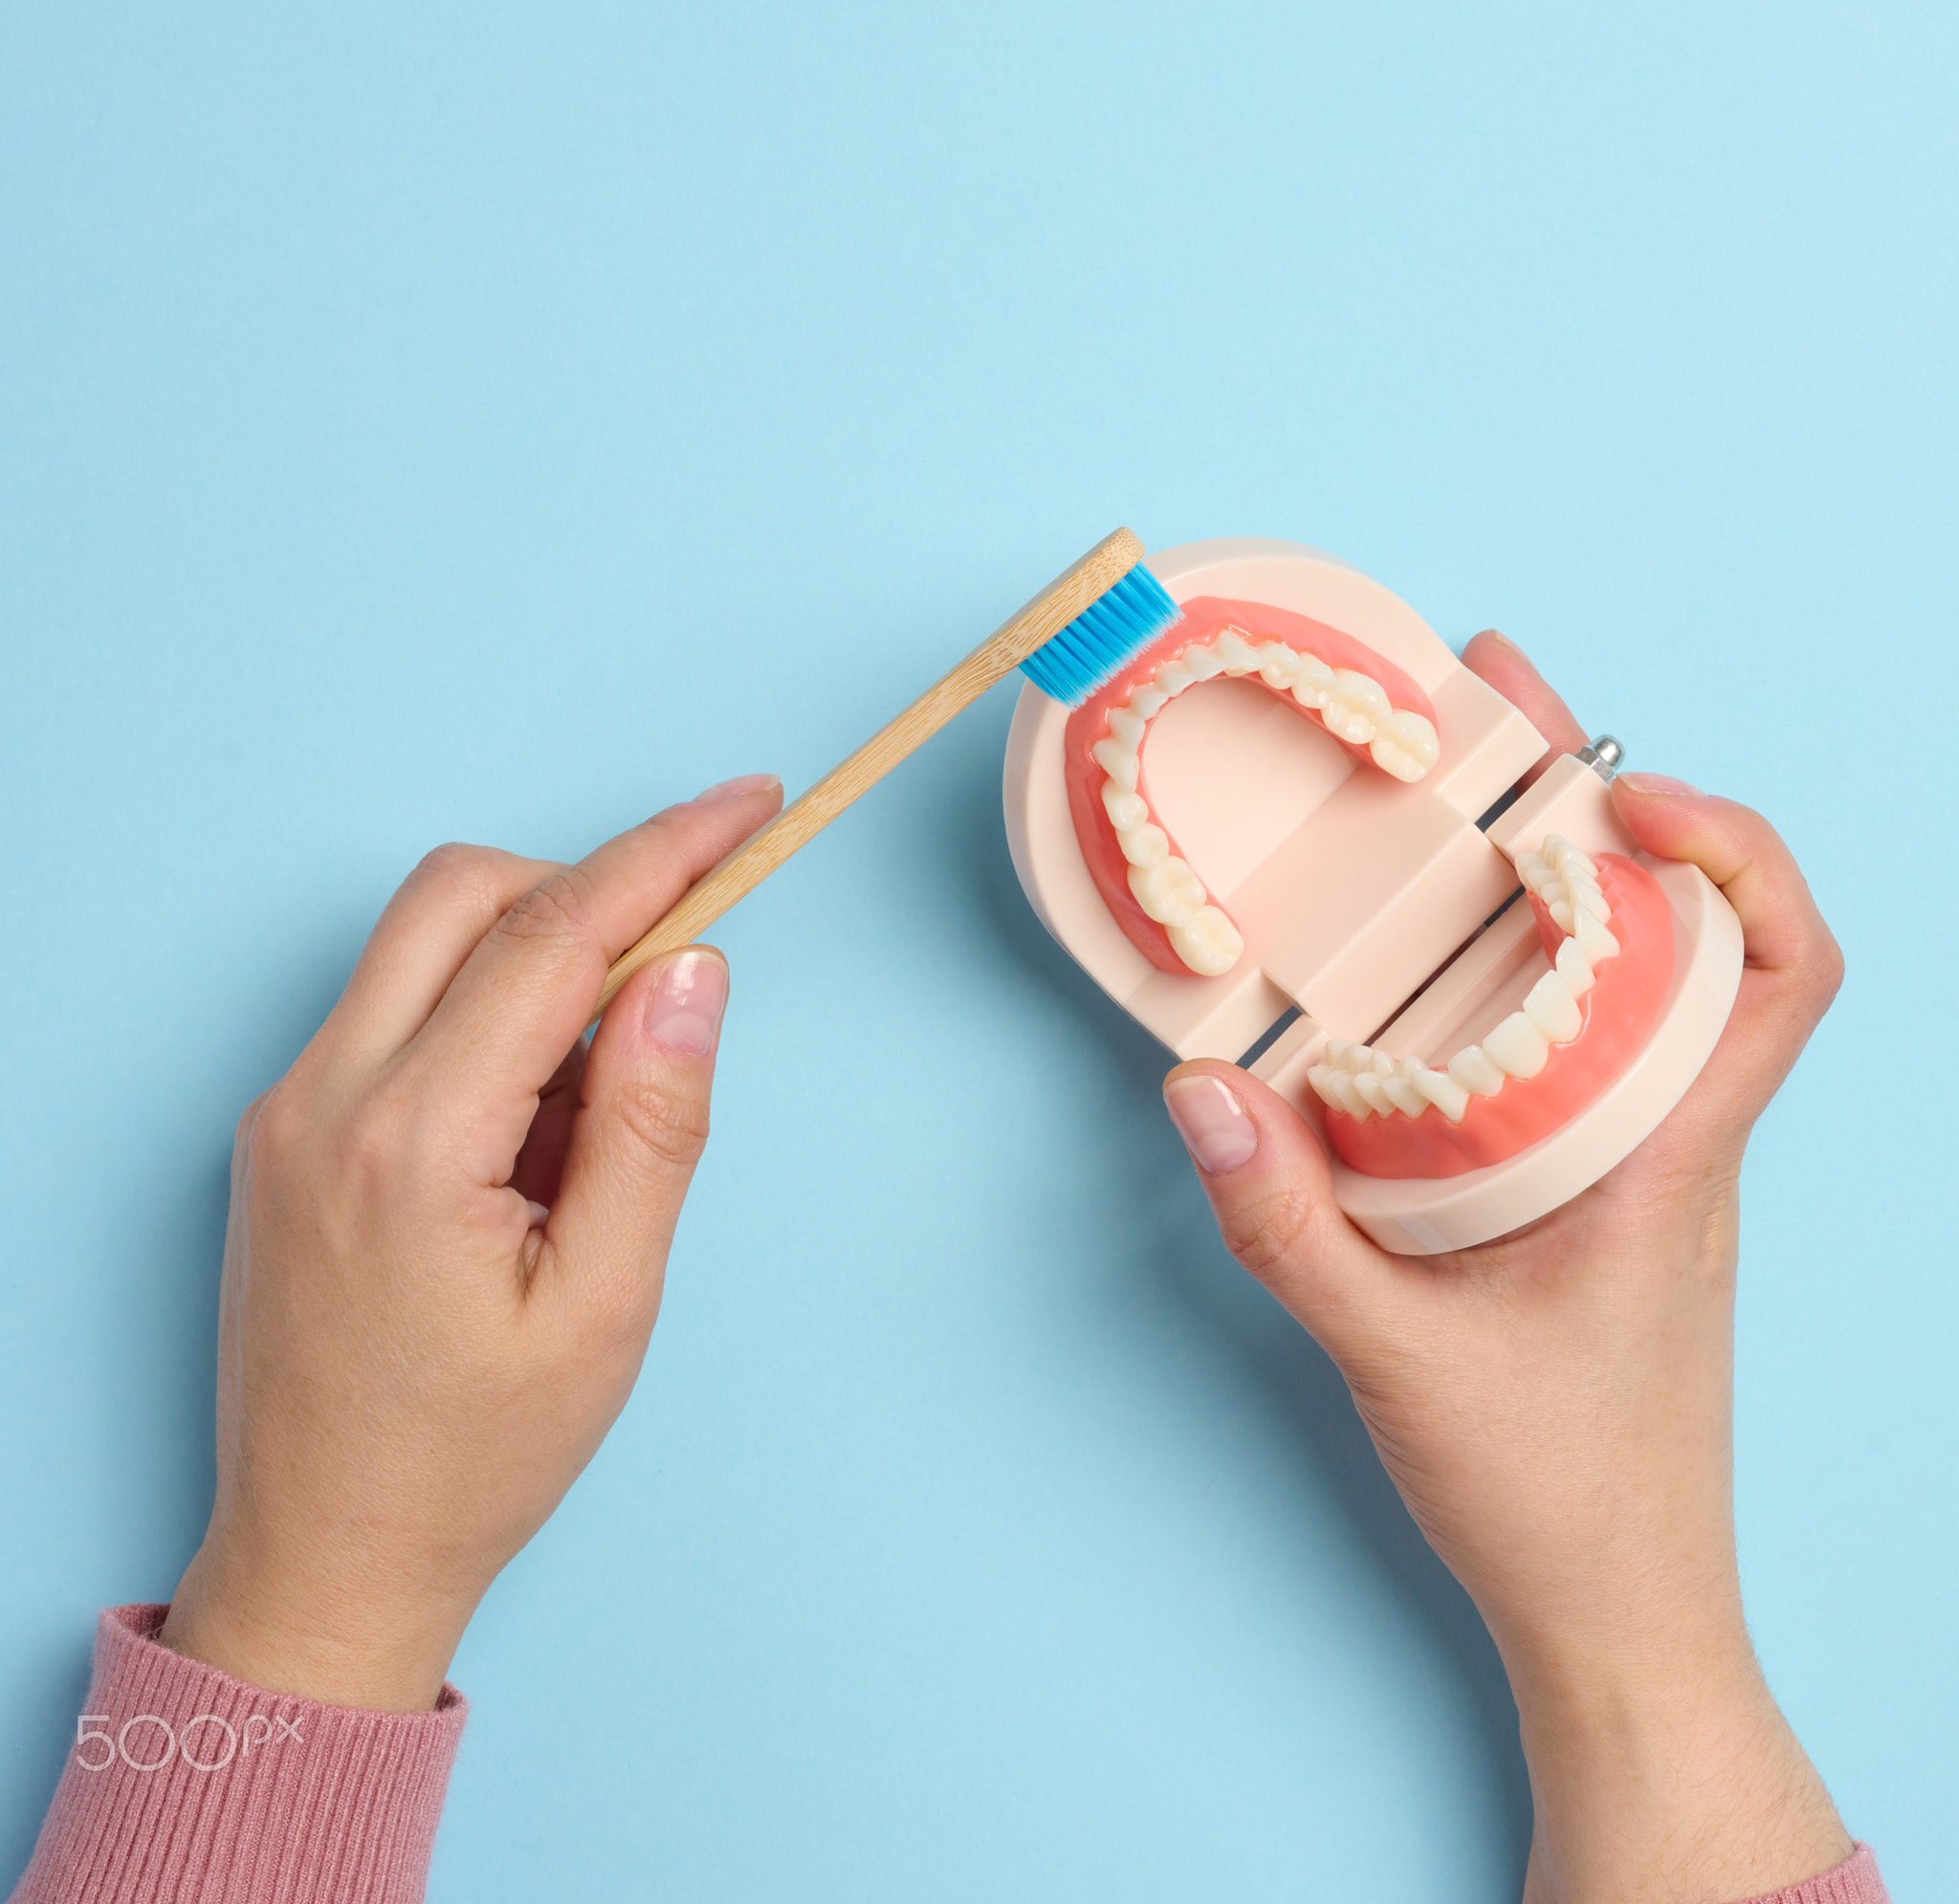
(1380,910)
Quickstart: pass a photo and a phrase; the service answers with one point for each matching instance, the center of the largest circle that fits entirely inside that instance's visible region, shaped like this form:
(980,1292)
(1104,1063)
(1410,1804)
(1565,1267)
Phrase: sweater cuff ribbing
(188,1785)
(1855,1881)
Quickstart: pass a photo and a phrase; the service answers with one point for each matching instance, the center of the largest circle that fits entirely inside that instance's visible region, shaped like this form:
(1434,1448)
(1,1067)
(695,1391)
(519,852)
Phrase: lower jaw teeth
(1365,1083)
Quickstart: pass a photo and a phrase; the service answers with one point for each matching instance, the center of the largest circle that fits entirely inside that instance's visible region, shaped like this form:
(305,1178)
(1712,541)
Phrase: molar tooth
(1403,1093)
(1357,707)
(1321,1079)
(1533,872)
(1172,678)
(1351,1058)
(1560,853)
(1278,664)
(1119,762)
(1406,745)
(1315,683)
(1594,940)
(1146,846)
(1170,893)
(1574,968)
(1378,1062)
(1126,811)
(1517,1046)
(1347,1094)
(1210,943)
(1560,910)
(1444,1092)
(1127,727)
(1577,887)
(1552,1008)
(1146,703)
(1374,1090)
(1476,1071)
(1202,662)
(1238,654)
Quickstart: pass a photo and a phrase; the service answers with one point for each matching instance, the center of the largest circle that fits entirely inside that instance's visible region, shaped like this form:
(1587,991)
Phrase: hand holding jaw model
(1555,1406)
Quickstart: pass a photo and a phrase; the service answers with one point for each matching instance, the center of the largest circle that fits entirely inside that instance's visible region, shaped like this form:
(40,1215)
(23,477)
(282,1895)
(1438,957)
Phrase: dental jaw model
(1275,809)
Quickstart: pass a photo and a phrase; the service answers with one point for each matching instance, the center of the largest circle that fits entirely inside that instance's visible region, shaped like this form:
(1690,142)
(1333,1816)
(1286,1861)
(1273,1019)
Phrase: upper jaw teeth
(1351,704)
(1366,1082)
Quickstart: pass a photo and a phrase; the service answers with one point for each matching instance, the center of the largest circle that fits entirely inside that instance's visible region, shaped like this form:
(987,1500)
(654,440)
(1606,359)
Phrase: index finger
(1509,671)
(1792,966)
(527,991)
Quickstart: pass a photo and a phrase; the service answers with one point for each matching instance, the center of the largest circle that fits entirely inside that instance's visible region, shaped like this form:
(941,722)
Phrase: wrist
(312,1639)
(1662,1772)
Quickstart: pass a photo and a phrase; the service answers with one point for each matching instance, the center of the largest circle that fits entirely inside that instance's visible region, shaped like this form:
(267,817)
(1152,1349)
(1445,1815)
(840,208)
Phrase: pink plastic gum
(1365,901)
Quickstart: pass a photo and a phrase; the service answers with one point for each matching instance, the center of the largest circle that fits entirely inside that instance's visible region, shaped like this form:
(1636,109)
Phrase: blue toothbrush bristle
(1103,639)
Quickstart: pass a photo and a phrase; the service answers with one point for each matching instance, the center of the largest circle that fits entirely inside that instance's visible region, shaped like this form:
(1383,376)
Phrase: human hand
(1555,1406)
(448,1226)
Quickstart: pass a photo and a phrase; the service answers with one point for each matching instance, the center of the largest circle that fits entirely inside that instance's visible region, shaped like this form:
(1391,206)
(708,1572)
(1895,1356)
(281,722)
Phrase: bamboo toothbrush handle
(1004,650)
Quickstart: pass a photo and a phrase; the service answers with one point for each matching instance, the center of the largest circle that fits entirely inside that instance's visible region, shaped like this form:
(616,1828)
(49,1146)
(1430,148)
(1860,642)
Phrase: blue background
(494,422)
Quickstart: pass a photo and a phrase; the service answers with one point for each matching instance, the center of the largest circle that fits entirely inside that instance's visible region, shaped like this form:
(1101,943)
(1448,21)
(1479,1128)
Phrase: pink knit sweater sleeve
(1855,1881)
(187,1786)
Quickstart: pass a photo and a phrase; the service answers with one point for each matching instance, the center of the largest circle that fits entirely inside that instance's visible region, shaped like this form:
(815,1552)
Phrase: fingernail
(1655,784)
(1211,1120)
(1504,640)
(742,783)
(684,1014)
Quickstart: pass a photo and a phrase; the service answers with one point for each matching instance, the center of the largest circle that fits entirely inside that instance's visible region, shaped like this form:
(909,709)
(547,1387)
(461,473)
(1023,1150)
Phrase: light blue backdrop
(485,421)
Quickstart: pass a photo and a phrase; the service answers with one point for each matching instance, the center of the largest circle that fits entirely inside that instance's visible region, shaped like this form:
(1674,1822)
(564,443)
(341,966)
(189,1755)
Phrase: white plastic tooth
(1170,893)
(1594,940)
(1278,665)
(1374,1090)
(1444,1092)
(1378,1062)
(1401,1091)
(1533,872)
(1172,679)
(1559,852)
(1202,662)
(1147,702)
(1517,1046)
(1477,1072)
(1126,811)
(1585,892)
(1560,910)
(1351,1059)
(1210,945)
(1238,654)
(1144,846)
(1405,745)
(1339,1088)
(1315,684)
(1127,727)
(1357,707)
(1119,762)
(1321,1079)
(1551,1006)
(1574,968)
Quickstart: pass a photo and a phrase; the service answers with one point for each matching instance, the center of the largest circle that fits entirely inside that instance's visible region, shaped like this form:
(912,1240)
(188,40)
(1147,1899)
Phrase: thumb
(1272,1193)
(641,1127)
